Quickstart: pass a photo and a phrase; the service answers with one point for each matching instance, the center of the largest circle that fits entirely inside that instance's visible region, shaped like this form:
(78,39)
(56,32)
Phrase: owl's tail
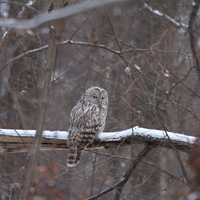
(74,156)
(77,145)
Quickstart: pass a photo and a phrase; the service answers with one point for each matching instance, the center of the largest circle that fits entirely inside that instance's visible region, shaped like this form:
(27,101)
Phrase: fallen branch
(21,140)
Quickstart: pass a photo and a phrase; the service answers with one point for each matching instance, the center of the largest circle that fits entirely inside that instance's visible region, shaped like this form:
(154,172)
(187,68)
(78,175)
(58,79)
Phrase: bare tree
(145,54)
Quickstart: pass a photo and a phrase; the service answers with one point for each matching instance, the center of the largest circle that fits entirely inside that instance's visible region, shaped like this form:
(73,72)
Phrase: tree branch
(21,140)
(167,17)
(58,44)
(130,170)
(119,185)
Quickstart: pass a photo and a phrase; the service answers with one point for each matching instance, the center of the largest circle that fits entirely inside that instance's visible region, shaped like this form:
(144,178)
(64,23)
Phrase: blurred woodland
(145,54)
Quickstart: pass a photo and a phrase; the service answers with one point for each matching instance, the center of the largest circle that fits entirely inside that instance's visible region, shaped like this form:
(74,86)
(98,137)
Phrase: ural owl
(87,119)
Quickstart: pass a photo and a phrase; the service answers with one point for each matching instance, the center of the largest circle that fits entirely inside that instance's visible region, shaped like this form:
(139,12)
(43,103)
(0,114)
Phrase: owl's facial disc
(97,96)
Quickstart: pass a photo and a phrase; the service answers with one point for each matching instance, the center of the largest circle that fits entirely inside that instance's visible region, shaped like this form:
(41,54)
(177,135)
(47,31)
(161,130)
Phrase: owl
(87,120)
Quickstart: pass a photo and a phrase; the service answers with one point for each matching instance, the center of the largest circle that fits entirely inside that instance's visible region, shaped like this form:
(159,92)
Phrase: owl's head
(97,96)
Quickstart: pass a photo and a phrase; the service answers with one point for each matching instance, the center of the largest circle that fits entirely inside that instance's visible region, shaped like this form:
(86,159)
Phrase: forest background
(145,54)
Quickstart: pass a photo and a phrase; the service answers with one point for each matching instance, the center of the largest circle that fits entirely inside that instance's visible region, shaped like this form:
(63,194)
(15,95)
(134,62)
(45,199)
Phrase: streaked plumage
(87,119)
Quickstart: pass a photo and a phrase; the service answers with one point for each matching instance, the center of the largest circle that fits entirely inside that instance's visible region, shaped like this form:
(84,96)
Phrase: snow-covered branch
(20,140)
(55,14)
(167,17)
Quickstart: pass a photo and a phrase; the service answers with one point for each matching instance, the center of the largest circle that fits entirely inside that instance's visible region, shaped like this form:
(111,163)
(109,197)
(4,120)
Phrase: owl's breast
(88,117)
(96,119)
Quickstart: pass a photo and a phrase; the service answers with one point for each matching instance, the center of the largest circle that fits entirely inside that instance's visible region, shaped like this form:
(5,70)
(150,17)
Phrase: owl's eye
(94,97)
(102,97)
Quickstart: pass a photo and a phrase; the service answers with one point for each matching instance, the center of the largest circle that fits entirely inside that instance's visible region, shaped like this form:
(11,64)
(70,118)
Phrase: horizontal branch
(60,43)
(12,140)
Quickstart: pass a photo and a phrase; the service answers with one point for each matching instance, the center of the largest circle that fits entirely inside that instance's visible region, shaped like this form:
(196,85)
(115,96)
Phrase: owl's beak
(99,103)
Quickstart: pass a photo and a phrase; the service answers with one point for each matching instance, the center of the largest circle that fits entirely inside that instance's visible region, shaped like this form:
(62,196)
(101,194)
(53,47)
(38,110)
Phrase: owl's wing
(79,115)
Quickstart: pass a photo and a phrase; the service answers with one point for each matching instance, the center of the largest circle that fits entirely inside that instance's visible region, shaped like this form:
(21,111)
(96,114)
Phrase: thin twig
(172,146)
(119,185)
(174,85)
(61,43)
(27,5)
(114,33)
(186,108)
(148,163)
